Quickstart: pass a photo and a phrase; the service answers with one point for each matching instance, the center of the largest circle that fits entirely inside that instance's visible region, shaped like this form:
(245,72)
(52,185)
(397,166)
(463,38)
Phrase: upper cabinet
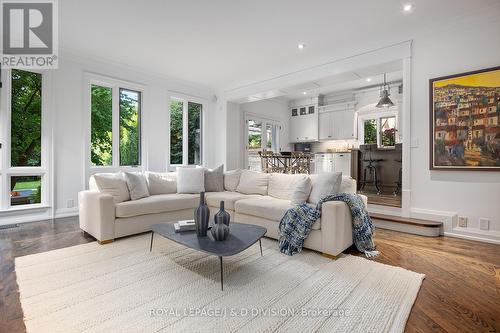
(304,120)
(337,122)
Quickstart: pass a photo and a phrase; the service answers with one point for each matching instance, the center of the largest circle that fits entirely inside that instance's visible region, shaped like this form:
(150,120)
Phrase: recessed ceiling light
(305,93)
(407,7)
(301,46)
(369,79)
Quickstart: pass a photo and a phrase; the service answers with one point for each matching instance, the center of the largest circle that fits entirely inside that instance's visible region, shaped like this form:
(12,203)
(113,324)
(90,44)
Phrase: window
(388,131)
(102,125)
(375,127)
(115,123)
(185,132)
(24,171)
(26,119)
(130,129)
(370,131)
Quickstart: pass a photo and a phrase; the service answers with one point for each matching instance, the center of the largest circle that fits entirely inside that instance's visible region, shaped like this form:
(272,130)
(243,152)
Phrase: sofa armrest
(336,227)
(365,199)
(97,214)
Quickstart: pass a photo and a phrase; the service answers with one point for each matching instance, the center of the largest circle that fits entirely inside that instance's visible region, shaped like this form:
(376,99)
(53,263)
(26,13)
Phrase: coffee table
(241,237)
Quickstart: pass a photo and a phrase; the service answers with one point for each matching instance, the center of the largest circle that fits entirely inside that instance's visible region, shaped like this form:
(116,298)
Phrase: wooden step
(408,225)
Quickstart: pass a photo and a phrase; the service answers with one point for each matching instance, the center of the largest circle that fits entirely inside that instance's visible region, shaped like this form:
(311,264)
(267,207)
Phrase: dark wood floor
(461,291)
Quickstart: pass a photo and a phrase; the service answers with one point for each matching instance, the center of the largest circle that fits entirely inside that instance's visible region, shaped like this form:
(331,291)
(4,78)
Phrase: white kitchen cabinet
(304,128)
(336,125)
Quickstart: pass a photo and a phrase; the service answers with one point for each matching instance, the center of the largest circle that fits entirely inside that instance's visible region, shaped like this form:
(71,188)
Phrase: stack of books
(185,225)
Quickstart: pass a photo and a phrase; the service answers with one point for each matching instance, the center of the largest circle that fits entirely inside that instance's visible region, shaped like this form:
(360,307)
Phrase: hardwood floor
(461,291)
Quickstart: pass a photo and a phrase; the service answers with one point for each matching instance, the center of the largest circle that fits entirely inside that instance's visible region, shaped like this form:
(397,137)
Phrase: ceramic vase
(201,217)
(220,229)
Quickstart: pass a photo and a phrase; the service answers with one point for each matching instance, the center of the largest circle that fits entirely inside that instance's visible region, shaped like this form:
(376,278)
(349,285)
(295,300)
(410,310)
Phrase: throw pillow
(114,184)
(302,191)
(137,185)
(282,186)
(190,180)
(161,183)
(324,184)
(231,180)
(252,182)
(214,179)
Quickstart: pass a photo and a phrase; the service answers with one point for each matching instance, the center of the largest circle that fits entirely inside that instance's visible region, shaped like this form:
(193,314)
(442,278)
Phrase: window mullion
(116,126)
(185,133)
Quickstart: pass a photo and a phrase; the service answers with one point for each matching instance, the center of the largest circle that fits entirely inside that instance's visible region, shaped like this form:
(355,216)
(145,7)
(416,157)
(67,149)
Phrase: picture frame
(464,121)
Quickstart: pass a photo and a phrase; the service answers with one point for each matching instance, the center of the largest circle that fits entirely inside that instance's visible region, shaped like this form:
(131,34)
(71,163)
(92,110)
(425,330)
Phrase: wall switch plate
(70,203)
(462,221)
(484,224)
(414,143)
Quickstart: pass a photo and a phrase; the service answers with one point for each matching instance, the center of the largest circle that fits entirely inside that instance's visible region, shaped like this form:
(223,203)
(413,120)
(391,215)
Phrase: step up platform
(408,225)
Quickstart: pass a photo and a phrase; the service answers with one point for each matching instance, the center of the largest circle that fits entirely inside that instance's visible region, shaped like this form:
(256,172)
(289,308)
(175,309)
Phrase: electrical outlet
(462,221)
(484,224)
(70,203)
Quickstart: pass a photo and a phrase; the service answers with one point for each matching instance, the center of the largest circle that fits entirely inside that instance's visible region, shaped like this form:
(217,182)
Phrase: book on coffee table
(184,225)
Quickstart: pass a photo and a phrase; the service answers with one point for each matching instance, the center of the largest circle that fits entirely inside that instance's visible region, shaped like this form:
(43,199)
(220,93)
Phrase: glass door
(262,135)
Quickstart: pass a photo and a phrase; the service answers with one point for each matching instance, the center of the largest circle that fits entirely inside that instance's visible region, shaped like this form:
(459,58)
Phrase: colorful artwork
(464,121)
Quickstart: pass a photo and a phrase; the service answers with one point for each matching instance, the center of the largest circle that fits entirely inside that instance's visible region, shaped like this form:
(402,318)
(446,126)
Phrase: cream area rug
(122,287)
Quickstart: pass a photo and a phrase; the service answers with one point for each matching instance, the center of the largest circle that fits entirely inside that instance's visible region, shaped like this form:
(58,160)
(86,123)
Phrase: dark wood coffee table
(241,237)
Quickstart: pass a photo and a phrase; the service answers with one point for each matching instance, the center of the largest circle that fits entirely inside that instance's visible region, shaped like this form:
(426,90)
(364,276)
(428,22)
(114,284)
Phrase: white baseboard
(66,212)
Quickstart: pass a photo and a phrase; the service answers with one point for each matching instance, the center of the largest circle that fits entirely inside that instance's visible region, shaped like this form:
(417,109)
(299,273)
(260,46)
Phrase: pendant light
(385,92)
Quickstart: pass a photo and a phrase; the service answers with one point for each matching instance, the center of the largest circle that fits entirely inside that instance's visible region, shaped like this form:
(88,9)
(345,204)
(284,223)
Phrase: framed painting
(464,121)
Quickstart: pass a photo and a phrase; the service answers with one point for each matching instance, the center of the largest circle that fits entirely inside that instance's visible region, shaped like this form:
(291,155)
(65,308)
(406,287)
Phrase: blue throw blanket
(296,224)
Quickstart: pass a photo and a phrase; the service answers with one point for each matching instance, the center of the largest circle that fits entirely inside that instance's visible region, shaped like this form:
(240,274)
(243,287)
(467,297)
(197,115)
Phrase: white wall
(69,113)
(271,109)
(464,46)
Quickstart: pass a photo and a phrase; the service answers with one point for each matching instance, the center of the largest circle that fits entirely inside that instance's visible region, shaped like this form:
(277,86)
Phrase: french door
(261,135)
(25,141)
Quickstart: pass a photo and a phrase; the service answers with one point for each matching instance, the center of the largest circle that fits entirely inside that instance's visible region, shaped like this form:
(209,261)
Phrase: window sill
(24,208)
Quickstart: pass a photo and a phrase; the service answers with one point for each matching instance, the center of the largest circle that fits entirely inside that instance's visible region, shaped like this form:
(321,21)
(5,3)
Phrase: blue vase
(202,217)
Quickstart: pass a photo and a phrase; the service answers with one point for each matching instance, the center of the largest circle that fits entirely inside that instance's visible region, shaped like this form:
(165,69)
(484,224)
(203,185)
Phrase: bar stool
(372,169)
(397,191)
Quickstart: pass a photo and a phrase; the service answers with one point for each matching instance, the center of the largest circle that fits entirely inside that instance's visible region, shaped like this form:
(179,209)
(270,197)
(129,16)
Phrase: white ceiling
(226,43)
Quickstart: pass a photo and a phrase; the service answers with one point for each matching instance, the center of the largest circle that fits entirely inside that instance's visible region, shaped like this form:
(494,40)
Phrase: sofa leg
(330,256)
(105,241)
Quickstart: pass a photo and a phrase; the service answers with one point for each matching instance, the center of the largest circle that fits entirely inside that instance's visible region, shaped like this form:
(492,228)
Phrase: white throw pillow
(190,180)
(324,184)
(282,186)
(302,191)
(161,183)
(137,185)
(252,182)
(231,180)
(114,184)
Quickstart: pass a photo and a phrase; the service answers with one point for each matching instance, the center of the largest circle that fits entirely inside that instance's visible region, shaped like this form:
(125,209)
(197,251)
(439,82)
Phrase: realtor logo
(29,34)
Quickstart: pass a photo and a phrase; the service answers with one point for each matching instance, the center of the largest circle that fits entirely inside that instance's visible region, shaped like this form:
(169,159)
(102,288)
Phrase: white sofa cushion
(137,185)
(283,186)
(214,198)
(231,180)
(302,191)
(252,182)
(114,184)
(190,180)
(161,183)
(324,184)
(157,204)
(348,185)
(266,207)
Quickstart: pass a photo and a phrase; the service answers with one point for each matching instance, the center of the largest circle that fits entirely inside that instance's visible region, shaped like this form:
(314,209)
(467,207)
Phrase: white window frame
(265,122)
(377,115)
(115,84)
(185,99)
(44,170)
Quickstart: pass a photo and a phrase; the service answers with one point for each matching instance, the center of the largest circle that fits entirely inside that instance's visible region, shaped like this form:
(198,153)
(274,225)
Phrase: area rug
(122,287)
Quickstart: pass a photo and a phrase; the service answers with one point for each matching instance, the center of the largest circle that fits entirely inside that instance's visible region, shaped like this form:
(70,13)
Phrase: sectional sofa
(106,219)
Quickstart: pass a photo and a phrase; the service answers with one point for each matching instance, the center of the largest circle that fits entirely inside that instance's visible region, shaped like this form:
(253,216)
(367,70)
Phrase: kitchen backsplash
(335,145)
